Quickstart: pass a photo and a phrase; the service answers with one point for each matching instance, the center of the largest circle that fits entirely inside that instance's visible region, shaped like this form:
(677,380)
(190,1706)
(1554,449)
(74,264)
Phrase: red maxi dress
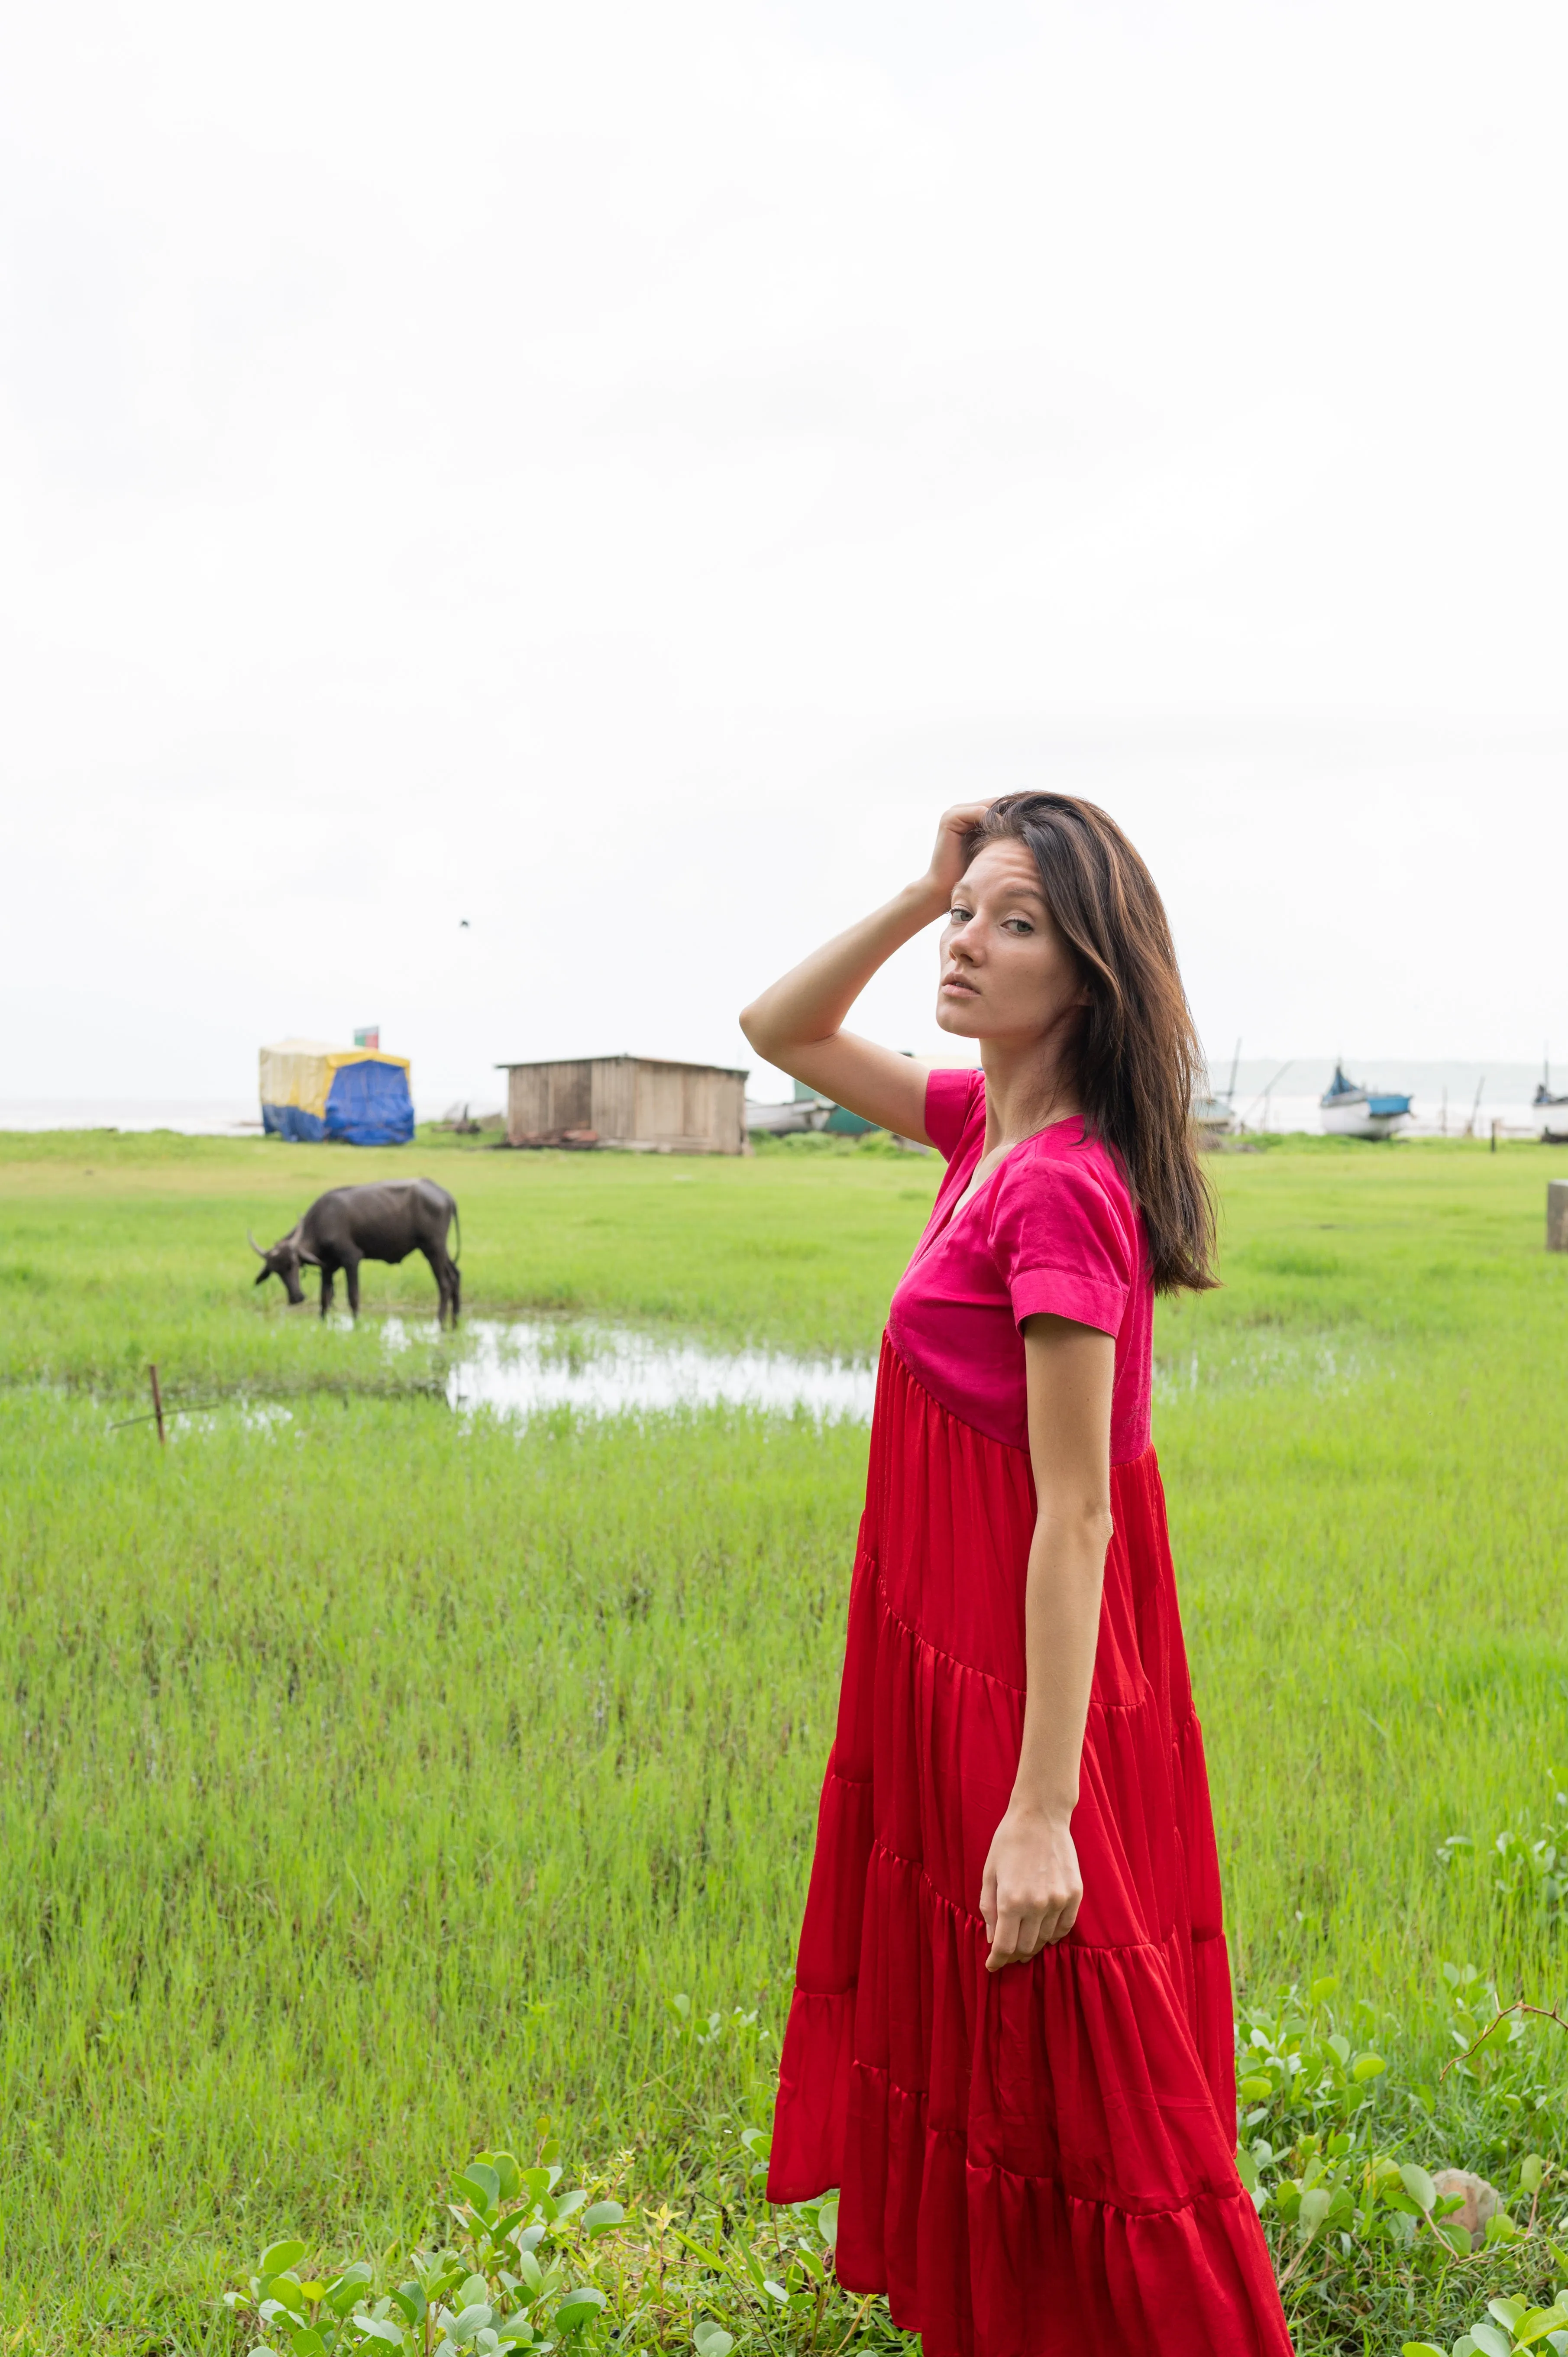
(1041,2160)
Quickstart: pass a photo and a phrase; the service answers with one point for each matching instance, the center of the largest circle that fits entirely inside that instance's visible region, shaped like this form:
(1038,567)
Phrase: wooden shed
(635,1102)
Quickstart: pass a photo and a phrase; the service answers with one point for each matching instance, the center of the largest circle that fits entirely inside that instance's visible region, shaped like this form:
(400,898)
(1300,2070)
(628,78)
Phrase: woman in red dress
(1010,2045)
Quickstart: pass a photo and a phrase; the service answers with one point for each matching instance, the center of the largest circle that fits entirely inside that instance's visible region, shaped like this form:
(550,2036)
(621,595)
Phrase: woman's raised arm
(796,1022)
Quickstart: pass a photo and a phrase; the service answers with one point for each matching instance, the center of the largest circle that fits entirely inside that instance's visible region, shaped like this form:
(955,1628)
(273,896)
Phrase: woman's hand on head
(1032,1889)
(951,856)
(798,1022)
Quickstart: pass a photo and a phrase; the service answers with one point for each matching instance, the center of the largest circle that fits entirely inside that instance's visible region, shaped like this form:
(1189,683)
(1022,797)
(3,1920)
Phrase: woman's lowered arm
(1032,1888)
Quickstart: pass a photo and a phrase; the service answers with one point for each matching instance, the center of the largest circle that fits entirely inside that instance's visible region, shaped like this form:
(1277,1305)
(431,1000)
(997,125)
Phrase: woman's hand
(1032,1890)
(951,856)
(798,1022)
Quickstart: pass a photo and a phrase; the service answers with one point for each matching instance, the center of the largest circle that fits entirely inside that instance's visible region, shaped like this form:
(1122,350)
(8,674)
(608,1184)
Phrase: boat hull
(786,1120)
(1354,1118)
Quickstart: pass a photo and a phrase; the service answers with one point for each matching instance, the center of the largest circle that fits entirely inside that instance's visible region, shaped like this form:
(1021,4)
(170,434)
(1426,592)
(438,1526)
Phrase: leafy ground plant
(517,2273)
(1342,2152)
(527,2265)
(1347,2158)
(1507,2325)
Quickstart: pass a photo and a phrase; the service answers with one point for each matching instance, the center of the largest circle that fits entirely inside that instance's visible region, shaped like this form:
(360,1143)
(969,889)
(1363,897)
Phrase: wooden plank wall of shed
(629,1101)
(525,1097)
(615,1098)
(660,1104)
(692,1109)
(542,1098)
(727,1116)
(731,1130)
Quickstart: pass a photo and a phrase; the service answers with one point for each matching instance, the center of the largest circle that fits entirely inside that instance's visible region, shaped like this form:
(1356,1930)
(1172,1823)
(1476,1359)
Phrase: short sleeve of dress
(950,1101)
(1064,1246)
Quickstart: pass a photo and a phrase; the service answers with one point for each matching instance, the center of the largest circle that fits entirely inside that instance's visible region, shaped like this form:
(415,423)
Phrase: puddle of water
(1259,1363)
(520,1367)
(251,1415)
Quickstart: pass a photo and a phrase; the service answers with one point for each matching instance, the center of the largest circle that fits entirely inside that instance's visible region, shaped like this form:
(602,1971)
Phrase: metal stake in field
(158,1408)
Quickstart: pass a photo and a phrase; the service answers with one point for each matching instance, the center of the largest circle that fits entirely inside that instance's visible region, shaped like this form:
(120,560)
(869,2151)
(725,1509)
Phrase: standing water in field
(523,1366)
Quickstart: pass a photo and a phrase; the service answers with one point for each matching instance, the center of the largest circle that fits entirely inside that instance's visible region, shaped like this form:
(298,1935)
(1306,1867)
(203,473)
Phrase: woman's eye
(1017,925)
(959,915)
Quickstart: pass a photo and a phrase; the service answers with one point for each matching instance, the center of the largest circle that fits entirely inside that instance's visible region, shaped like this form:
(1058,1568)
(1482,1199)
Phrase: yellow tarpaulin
(301,1072)
(312,1091)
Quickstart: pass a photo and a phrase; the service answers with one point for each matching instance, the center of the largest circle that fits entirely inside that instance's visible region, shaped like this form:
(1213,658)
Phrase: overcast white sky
(612,473)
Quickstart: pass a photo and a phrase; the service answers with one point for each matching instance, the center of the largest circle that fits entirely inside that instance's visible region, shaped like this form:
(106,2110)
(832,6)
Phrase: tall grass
(373,1776)
(369,1790)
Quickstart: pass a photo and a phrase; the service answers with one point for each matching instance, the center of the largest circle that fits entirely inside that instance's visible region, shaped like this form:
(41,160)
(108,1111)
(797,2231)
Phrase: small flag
(369,1036)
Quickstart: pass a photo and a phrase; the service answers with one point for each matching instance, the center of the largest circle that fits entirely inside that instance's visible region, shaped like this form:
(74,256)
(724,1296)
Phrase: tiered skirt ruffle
(1039,2160)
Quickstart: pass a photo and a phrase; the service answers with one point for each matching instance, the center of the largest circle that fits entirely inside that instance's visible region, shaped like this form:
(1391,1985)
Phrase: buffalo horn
(256,1247)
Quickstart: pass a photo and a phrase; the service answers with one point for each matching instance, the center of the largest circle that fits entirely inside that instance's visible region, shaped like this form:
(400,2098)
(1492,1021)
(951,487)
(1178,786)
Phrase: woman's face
(1006,971)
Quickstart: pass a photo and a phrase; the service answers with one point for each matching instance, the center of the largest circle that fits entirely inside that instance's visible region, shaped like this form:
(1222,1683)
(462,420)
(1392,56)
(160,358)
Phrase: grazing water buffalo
(380,1221)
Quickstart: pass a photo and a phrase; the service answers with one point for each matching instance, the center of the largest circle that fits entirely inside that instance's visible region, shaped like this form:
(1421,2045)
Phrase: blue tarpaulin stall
(356,1096)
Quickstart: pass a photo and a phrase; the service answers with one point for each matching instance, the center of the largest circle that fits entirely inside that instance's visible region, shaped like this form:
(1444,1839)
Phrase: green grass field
(374,1777)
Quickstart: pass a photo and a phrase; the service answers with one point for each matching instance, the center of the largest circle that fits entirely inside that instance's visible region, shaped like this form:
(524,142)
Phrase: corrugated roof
(669,1063)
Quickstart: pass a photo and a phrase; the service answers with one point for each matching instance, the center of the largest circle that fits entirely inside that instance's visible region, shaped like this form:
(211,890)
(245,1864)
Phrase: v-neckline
(973,1193)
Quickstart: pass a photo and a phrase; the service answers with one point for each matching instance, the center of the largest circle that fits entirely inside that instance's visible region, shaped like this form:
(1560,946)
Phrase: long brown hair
(1136,1058)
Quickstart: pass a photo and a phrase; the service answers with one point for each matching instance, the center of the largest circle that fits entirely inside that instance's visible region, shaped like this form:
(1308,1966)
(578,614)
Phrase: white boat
(1549,1111)
(1350,1111)
(786,1120)
(807,1110)
(1214,1116)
